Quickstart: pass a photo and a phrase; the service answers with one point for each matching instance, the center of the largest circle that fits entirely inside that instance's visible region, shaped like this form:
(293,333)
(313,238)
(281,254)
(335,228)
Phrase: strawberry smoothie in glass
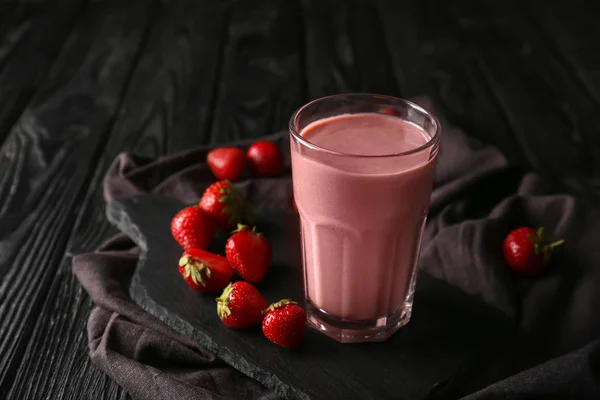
(362,168)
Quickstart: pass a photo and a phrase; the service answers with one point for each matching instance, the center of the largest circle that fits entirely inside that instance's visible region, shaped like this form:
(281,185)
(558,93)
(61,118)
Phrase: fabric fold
(478,198)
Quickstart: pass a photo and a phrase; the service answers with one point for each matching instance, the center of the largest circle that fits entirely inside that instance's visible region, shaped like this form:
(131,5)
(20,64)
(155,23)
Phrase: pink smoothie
(362,217)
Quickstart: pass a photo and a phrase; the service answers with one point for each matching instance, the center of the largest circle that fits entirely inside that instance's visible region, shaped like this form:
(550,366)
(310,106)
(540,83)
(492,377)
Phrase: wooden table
(81,81)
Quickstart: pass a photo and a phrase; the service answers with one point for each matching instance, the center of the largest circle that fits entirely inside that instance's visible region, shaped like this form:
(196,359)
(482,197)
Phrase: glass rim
(431,142)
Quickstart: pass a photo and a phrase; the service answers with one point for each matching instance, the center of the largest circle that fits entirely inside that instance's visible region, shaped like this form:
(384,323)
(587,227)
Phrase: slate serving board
(448,331)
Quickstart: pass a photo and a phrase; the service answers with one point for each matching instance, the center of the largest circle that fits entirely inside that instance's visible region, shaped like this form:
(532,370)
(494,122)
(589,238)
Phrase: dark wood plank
(407,45)
(47,161)
(10,15)
(568,32)
(550,116)
(346,49)
(56,364)
(262,77)
(406,50)
(172,113)
(30,38)
(448,51)
(431,60)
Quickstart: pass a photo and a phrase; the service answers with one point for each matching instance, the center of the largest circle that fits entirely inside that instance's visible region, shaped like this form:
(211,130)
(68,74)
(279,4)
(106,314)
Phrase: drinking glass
(362,217)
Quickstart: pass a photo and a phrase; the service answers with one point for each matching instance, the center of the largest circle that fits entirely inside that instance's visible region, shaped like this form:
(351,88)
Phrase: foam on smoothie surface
(365,134)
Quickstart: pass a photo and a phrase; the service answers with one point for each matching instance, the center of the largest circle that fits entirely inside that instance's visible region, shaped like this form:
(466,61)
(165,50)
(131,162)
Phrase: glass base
(372,330)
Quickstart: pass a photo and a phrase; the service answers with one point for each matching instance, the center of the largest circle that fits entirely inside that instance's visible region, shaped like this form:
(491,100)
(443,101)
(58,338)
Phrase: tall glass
(362,210)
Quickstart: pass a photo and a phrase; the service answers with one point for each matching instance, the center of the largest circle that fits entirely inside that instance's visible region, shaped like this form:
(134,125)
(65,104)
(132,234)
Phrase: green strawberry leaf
(279,304)
(223,309)
(197,271)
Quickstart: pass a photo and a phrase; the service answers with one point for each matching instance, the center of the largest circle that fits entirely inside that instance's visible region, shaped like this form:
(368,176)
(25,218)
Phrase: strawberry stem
(196,269)
(543,246)
(240,228)
(279,304)
(555,244)
(223,302)
(540,233)
(236,206)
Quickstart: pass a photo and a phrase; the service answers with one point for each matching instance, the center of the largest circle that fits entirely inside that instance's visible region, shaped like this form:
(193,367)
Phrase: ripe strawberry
(391,111)
(526,251)
(192,227)
(225,204)
(285,324)
(226,163)
(241,305)
(265,159)
(249,253)
(204,271)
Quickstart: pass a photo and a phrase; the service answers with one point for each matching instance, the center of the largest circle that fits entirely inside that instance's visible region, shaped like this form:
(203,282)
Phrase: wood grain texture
(55,364)
(493,72)
(522,76)
(27,50)
(564,28)
(262,74)
(430,59)
(346,49)
(47,160)
(169,115)
(532,87)
(9,14)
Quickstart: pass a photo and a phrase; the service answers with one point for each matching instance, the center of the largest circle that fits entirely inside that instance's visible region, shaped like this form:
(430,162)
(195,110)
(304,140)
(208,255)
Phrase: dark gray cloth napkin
(478,198)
